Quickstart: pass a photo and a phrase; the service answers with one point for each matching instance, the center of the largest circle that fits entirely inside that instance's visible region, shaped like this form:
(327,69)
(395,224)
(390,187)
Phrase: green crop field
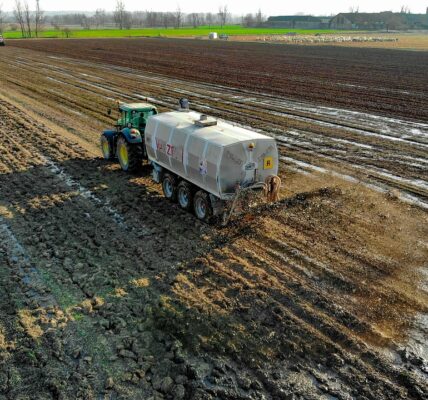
(171,32)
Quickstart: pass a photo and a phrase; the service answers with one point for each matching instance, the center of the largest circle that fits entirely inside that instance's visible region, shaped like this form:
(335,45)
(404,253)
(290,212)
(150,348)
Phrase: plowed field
(376,80)
(110,292)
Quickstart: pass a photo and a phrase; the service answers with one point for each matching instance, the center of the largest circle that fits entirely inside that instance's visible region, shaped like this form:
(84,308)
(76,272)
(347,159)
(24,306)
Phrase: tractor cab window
(124,117)
(135,118)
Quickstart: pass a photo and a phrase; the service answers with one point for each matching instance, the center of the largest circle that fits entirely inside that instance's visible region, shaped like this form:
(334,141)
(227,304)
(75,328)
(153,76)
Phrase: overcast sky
(269,7)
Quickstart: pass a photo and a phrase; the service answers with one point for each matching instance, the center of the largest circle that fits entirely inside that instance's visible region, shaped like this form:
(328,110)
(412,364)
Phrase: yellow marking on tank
(268,163)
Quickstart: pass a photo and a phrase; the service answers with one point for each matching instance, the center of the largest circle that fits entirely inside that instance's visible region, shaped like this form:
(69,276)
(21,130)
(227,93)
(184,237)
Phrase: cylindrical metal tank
(215,156)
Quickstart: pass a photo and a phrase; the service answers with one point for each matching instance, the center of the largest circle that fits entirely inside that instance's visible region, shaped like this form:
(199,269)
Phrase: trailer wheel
(169,187)
(106,148)
(130,155)
(185,195)
(202,206)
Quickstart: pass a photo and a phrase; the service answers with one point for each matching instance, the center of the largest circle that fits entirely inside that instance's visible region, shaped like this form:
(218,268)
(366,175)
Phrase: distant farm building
(295,22)
(349,21)
(379,21)
(416,21)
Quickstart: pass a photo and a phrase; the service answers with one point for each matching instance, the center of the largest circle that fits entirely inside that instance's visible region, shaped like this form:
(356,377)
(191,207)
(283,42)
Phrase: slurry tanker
(203,164)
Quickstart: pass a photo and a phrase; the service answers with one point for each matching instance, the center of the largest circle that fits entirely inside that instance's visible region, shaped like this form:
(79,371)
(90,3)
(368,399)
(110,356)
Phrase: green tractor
(126,142)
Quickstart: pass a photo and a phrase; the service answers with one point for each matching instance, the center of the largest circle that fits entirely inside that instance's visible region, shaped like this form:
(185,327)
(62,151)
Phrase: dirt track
(114,293)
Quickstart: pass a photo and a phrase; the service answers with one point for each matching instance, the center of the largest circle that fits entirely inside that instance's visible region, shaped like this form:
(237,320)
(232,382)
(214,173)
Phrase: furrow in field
(276,296)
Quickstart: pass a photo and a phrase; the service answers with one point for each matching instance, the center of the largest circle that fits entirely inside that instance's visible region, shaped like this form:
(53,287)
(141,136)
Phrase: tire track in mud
(167,85)
(309,73)
(299,301)
(273,116)
(15,344)
(77,290)
(32,223)
(96,261)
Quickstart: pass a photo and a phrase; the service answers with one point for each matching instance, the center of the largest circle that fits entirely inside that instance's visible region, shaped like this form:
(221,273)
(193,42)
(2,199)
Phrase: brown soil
(375,80)
(109,291)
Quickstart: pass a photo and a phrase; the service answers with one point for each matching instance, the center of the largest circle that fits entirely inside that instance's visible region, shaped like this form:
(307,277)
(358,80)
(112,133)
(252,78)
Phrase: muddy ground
(376,80)
(111,292)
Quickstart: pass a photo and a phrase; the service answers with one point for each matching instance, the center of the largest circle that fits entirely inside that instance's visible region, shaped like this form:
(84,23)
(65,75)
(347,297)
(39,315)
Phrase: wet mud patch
(157,305)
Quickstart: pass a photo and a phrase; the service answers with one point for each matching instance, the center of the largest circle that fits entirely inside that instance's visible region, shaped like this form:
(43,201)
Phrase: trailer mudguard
(132,135)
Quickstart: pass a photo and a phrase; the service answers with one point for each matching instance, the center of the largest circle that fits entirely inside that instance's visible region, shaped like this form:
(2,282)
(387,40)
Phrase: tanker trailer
(204,164)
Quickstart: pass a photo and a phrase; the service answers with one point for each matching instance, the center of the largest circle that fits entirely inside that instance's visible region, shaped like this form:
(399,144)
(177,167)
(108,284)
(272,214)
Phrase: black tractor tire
(130,155)
(202,206)
(106,148)
(185,194)
(169,187)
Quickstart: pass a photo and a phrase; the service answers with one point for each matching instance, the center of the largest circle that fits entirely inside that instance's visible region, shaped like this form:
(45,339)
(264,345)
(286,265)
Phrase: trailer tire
(185,195)
(202,206)
(169,187)
(130,155)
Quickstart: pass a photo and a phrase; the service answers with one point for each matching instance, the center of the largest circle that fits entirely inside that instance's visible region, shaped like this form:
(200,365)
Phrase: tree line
(31,21)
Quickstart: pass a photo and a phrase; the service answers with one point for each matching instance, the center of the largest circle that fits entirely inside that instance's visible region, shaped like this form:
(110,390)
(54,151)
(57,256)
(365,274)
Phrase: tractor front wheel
(106,148)
(130,155)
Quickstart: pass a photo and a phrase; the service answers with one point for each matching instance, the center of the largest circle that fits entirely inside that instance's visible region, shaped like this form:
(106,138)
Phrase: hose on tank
(272,187)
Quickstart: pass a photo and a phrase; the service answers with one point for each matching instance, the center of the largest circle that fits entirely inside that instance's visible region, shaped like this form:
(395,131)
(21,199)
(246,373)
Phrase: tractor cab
(135,115)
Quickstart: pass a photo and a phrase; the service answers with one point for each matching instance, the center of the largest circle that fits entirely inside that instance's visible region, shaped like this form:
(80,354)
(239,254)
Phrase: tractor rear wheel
(185,195)
(106,148)
(202,206)
(169,187)
(130,155)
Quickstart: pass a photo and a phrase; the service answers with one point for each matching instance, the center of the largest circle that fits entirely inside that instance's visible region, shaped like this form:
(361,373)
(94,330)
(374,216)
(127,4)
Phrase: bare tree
(66,32)
(138,18)
(119,14)
(1,17)
(19,16)
(405,10)
(248,20)
(151,19)
(354,9)
(209,18)
(201,19)
(195,19)
(85,22)
(38,18)
(259,18)
(127,20)
(167,19)
(178,16)
(27,17)
(223,15)
(100,17)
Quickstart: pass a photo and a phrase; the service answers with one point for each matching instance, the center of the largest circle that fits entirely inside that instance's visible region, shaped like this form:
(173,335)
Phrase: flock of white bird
(324,39)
